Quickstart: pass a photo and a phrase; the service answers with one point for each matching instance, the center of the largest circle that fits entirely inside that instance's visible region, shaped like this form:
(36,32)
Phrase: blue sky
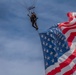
(20,46)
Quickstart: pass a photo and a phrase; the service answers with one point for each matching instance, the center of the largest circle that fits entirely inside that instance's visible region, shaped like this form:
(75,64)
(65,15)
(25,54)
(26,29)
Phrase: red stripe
(70,72)
(53,71)
(66,29)
(63,64)
(66,24)
(70,38)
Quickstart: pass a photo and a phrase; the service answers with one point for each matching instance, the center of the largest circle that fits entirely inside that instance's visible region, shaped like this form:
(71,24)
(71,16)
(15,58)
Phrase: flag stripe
(69,28)
(71,37)
(74,73)
(71,71)
(69,32)
(69,60)
(69,67)
(63,64)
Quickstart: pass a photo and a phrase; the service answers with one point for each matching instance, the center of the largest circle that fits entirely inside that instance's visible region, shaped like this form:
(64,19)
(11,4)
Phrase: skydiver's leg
(33,24)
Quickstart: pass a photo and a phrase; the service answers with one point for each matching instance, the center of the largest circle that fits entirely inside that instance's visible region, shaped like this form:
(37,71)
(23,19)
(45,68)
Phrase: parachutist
(33,19)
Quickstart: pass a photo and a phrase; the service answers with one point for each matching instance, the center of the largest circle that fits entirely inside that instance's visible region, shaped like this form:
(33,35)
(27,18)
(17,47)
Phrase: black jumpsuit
(33,19)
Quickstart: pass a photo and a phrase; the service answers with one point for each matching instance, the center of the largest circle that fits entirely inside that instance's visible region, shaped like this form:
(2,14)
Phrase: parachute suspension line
(25,4)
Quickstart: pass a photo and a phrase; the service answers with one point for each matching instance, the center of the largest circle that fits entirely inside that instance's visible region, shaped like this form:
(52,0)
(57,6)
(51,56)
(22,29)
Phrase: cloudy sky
(20,46)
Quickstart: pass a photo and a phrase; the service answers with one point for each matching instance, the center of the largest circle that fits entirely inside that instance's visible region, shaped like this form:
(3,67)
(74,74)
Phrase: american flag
(59,47)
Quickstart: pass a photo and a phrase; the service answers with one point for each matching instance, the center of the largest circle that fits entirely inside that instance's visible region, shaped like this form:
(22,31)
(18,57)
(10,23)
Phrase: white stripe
(73,21)
(50,68)
(63,27)
(67,34)
(70,23)
(59,73)
(74,73)
(74,13)
(67,25)
(62,58)
(69,67)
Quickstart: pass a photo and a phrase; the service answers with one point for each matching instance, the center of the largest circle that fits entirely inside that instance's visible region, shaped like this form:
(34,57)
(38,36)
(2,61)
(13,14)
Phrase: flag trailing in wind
(59,47)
